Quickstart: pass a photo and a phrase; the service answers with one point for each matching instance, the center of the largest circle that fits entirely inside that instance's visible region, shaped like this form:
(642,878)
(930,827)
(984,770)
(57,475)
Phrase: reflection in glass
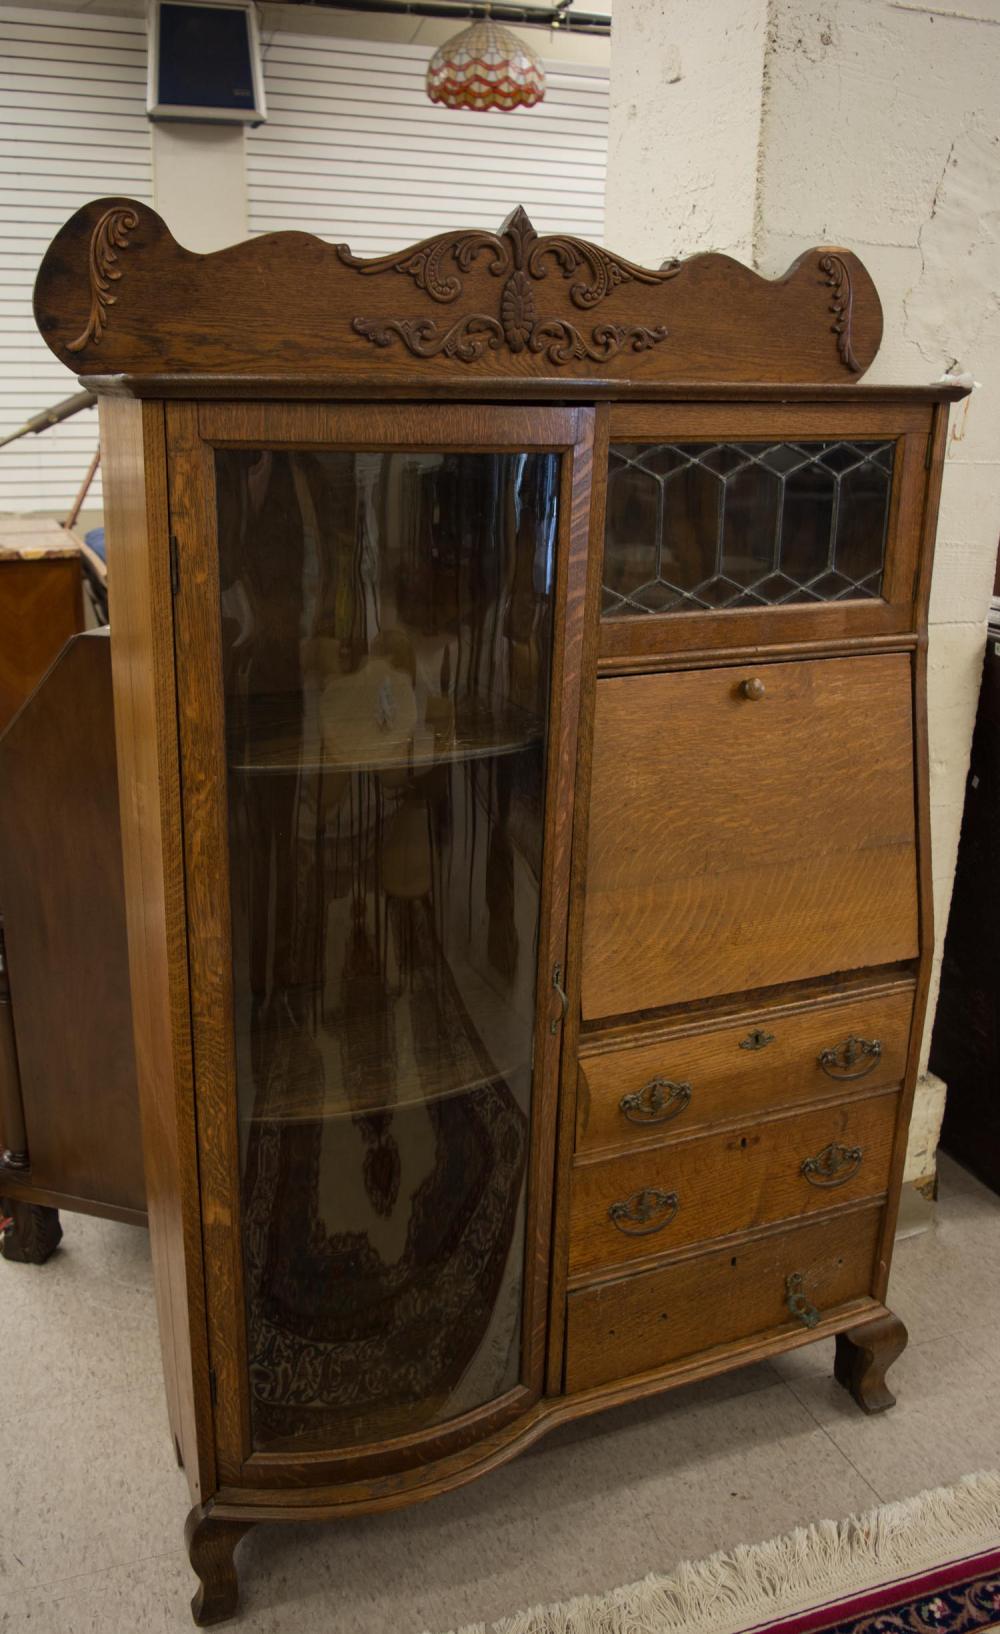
(699,526)
(386,624)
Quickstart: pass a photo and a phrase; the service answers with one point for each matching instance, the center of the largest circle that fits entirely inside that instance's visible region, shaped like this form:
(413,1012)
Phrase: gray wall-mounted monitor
(204,62)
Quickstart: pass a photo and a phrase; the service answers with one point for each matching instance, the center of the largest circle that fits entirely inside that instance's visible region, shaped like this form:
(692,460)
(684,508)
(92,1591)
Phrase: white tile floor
(92,1504)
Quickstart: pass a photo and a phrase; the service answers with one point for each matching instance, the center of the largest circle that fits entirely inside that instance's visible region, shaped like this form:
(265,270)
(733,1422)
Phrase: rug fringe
(732,1591)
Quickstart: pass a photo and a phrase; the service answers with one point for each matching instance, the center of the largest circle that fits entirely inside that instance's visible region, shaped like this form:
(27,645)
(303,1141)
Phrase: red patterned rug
(962,1597)
(929,1565)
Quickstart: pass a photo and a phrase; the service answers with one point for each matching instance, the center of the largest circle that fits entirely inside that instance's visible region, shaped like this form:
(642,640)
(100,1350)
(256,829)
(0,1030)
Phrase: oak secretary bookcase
(519,664)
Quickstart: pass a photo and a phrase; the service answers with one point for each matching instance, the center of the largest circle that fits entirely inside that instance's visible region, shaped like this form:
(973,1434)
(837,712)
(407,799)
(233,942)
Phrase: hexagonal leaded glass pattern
(699,527)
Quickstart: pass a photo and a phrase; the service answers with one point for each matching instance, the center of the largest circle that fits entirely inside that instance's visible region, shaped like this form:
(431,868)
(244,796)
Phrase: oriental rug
(928,1565)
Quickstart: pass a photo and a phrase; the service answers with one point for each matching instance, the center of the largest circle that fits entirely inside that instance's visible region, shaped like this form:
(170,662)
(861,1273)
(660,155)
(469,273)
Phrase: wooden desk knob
(754,688)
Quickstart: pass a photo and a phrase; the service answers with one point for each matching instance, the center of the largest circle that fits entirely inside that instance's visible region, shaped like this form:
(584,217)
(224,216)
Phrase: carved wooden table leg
(210,1545)
(864,1356)
(33,1234)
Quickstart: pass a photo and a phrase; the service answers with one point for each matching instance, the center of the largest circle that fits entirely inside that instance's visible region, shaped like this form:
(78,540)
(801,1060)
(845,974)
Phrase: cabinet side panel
(142,655)
(937,448)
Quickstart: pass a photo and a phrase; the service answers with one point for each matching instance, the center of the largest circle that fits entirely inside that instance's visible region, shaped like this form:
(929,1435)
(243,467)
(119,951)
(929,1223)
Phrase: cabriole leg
(864,1356)
(33,1232)
(210,1544)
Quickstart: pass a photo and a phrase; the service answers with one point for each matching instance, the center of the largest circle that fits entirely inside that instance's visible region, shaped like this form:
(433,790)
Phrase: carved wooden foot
(33,1234)
(210,1545)
(864,1356)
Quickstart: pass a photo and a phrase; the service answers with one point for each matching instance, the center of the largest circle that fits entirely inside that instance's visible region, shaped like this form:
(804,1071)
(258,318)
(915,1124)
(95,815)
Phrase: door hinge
(213,1387)
(175,570)
(560,992)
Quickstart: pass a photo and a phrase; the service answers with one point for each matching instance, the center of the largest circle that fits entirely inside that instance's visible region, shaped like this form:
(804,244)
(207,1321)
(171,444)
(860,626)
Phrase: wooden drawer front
(643,1322)
(684,1080)
(688,1191)
(736,842)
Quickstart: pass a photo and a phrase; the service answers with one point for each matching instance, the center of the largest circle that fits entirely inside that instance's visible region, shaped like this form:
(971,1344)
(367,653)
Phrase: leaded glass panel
(709,526)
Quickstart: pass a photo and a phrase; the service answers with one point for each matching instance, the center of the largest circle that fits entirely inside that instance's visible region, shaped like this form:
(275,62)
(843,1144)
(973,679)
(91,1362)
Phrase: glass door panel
(702,527)
(769,523)
(386,628)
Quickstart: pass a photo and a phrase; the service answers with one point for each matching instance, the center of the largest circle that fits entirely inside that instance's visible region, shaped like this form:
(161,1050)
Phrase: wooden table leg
(864,1356)
(33,1234)
(210,1544)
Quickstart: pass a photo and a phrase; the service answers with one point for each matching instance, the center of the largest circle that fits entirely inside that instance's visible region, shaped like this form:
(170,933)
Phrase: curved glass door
(386,637)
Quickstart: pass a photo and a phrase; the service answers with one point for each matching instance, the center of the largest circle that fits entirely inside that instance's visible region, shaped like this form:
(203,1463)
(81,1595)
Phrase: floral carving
(838,278)
(521,257)
(467,338)
(518,311)
(109,236)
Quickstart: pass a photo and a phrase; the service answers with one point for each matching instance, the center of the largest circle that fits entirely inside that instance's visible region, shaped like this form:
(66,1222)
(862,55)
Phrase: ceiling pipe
(558,17)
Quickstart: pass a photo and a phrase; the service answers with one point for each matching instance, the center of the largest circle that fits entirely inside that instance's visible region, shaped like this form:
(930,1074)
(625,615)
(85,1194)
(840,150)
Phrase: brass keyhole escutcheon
(754,688)
(757,1040)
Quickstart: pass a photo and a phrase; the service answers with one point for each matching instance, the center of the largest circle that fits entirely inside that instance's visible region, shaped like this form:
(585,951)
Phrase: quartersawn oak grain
(738,842)
(656,1317)
(770,1059)
(746,1175)
(117,295)
(142,662)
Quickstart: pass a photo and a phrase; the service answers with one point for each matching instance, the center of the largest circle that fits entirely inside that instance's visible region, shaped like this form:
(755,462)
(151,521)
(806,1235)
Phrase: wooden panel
(737,842)
(748,1175)
(62,892)
(768,1059)
(142,660)
(646,1321)
(41,606)
(466,305)
(13,1134)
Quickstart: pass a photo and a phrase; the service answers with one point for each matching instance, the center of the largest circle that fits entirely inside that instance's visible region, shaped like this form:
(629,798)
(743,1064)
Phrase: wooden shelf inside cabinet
(305,1101)
(288,733)
(305,1080)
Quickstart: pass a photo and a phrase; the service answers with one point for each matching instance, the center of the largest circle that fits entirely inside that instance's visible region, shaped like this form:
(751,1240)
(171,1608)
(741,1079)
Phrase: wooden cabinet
(520,716)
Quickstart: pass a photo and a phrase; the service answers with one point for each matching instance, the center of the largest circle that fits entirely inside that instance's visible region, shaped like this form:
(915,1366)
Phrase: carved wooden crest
(519,257)
(470,309)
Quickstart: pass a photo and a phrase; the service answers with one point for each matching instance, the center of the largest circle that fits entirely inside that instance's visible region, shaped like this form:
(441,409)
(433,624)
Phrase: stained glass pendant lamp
(486,67)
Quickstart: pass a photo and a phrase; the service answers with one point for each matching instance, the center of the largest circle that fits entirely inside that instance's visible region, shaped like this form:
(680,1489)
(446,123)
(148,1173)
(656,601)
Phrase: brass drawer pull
(753,689)
(756,1040)
(797,1302)
(637,1215)
(656,1102)
(838,1062)
(833,1166)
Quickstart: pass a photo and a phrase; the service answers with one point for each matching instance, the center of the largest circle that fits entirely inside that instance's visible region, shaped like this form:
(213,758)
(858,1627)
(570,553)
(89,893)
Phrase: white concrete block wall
(686,87)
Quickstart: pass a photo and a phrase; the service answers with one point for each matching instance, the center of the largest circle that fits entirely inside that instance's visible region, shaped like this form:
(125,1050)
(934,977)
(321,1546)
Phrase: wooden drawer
(642,1322)
(632,1089)
(688,1191)
(737,842)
